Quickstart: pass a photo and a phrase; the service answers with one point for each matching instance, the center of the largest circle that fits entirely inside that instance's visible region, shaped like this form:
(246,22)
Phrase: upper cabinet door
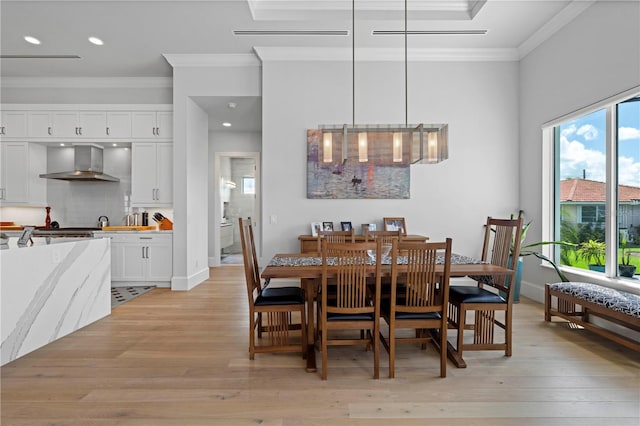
(40,124)
(65,124)
(118,124)
(13,124)
(92,124)
(165,125)
(144,125)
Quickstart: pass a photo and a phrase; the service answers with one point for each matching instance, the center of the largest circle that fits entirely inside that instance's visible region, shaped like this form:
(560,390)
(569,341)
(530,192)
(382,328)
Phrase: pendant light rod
(406,78)
(353,63)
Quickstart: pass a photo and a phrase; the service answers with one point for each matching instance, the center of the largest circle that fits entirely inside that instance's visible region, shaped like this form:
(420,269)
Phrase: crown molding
(87,82)
(386,54)
(212,60)
(555,24)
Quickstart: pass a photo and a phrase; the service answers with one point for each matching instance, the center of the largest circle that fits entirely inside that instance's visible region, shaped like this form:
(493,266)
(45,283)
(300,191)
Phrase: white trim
(386,54)
(212,60)
(87,82)
(565,16)
(190,282)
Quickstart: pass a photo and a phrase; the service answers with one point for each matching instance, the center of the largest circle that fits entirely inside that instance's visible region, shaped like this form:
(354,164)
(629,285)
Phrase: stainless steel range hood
(87,166)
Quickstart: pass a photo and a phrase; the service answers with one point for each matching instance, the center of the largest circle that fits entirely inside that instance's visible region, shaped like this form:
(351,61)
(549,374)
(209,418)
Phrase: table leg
(452,353)
(311,290)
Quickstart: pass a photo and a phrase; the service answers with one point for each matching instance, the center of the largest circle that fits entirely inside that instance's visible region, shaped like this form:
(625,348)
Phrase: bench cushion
(616,300)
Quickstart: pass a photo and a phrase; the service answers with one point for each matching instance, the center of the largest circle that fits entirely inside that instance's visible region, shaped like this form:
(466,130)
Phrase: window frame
(551,213)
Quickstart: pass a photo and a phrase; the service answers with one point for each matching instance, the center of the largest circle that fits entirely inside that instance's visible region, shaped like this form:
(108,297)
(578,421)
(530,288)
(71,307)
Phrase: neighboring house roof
(589,191)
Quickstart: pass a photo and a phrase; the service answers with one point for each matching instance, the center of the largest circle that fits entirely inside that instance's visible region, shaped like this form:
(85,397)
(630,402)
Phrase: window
(591,214)
(594,185)
(248,185)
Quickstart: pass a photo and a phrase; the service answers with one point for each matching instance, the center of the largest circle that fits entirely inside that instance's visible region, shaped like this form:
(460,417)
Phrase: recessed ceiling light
(226,124)
(115,144)
(232,105)
(31,39)
(96,41)
(61,144)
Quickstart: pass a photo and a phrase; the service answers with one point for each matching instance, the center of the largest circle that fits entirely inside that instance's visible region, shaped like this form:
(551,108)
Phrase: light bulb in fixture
(96,41)
(226,124)
(31,39)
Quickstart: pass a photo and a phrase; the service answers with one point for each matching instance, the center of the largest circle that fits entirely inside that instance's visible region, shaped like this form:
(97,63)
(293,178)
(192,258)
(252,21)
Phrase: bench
(577,302)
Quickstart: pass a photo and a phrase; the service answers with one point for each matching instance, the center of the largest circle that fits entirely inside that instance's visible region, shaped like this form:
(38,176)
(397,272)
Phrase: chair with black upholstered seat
(422,303)
(351,308)
(492,294)
(271,308)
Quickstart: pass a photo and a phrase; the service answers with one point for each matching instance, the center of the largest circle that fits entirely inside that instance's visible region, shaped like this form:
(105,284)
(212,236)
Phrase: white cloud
(626,133)
(575,158)
(588,131)
(568,131)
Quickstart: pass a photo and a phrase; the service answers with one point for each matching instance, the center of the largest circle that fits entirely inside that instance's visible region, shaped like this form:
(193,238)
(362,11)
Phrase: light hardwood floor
(180,358)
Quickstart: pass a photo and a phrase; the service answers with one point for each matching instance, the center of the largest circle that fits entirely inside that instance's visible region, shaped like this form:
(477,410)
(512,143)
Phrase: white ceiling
(136,34)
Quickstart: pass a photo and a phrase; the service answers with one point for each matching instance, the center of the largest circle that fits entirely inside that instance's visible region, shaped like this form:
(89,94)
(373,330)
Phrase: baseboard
(187,283)
(532,291)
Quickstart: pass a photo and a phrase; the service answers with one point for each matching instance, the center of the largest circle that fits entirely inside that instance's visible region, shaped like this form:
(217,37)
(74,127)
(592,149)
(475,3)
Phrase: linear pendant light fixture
(389,144)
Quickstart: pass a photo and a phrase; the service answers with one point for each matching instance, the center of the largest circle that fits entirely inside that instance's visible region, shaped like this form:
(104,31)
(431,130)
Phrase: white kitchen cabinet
(20,166)
(143,257)
(82,124)
(13,124)
(40,124)
(118,124)
(151,174)
(152,125)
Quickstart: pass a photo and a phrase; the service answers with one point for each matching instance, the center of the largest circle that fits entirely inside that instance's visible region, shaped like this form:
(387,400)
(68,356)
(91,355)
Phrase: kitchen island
(50,289)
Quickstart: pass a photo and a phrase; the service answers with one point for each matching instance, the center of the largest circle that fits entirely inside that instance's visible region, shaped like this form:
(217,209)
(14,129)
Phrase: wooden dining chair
(335,237)
(277,304)
(423,302)
(353,308)
(385,236)
(491,294)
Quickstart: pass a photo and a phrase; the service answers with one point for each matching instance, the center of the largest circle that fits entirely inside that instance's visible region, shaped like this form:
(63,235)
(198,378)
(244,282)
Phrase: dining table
(307,267)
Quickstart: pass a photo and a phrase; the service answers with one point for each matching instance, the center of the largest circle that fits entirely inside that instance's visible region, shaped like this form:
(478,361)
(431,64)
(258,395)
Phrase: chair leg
(507,331)
(323,347)
(252,326)
(303,330)
(462,319)
(392,352)
(376,350)
(443,349)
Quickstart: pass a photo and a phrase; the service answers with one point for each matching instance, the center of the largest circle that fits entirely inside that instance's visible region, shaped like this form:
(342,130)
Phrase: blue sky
(582,146)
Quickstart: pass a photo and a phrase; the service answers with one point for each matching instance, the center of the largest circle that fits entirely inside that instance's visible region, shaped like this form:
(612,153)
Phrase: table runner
(386,260)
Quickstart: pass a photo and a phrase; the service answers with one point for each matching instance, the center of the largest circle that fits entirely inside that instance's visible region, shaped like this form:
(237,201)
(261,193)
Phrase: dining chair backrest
(426,283)
(335,237)
(501,246)
(349,265)
(385,236)
(250,260)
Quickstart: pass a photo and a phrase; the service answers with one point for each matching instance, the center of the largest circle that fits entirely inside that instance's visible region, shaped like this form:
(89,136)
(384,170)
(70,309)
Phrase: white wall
(479,101)
(191,160)
(594,57)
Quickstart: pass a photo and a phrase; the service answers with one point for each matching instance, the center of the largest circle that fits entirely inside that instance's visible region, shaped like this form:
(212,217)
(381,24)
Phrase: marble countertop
(12,244)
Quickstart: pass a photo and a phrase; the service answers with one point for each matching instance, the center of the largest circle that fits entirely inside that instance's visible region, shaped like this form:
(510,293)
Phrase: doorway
(238,188)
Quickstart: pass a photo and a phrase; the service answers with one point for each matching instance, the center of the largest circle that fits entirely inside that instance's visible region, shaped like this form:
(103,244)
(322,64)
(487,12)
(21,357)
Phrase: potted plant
(625,268)
(593,253)
(527,250)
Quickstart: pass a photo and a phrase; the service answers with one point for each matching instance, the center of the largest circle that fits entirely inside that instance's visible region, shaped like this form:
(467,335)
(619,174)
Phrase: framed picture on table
(394,224)
(327,226)
(346,226)
(315,227)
